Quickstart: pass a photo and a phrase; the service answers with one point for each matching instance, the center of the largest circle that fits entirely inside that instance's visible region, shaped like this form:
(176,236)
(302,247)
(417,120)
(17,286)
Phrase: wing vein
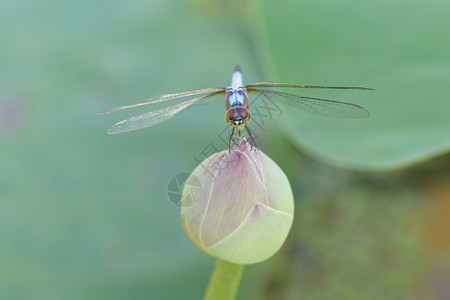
(317,105)
(258,85)
(165,97)
(157,116)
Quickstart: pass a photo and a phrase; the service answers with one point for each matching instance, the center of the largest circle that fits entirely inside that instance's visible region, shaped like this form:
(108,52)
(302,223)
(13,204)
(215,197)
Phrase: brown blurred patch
(437,238)
(437,217)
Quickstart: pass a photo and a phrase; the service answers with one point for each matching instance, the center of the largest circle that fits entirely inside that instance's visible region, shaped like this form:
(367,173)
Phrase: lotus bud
(243,210)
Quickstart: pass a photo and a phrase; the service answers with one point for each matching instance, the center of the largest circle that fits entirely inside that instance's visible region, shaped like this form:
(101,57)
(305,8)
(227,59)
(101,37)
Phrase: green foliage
(405,56)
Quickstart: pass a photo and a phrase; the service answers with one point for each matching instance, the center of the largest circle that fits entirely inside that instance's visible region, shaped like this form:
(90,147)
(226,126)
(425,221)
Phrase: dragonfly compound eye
(231,114)
(243,112)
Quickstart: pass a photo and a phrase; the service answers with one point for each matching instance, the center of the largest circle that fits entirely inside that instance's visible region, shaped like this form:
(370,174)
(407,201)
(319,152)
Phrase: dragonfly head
(237,116)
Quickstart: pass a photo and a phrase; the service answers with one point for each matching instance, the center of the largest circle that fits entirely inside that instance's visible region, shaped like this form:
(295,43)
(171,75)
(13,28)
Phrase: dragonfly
(237,104)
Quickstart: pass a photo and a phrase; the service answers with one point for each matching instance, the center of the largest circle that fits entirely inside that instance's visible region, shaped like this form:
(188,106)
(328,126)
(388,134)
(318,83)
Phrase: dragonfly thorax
(236,96)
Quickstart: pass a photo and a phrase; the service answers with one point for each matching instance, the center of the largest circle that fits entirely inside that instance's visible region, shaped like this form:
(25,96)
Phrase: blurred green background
(84,215)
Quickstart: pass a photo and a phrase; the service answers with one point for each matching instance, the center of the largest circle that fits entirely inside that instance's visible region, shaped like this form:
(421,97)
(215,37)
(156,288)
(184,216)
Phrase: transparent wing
(166,97)
(315,105)
(299,85)
(160,115)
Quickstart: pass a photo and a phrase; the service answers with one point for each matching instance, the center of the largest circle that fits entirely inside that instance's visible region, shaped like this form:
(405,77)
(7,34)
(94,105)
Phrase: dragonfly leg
(229,142)
(252,140)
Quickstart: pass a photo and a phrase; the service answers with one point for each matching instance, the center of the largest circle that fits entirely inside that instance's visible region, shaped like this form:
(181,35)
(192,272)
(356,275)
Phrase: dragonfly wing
(160,115)
(300,85)
(315,105)
(166,97)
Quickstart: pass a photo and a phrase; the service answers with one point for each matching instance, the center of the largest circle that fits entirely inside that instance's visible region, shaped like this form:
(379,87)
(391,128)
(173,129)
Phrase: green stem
(224,281)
